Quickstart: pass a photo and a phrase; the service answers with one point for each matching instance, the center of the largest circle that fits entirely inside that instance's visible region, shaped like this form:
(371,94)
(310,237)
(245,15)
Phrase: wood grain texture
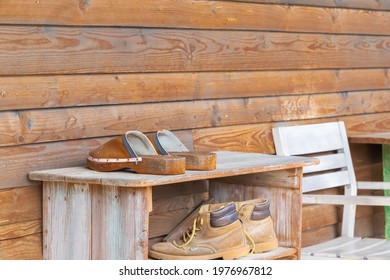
(355,4)
(60,50)
(28,92)
(31,126)
(18,205)
(66,221)
(318,235)
(288,178)
(228,164)
(195,15)
(258,137)
(120,221)
(317,216)
(21,229)
(22,248)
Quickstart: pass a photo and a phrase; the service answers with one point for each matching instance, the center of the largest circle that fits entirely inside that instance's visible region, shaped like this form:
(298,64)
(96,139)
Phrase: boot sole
(226,255)
(265,246)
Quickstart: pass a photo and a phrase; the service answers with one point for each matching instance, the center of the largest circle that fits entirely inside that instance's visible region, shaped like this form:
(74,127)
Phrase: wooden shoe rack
(96,215)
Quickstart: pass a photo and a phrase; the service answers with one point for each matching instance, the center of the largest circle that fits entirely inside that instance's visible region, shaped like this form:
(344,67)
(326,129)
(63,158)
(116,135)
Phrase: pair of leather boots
(224,230)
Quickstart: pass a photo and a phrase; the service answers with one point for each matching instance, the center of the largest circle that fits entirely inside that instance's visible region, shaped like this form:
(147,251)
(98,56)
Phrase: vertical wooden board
(66,221)
(120,222)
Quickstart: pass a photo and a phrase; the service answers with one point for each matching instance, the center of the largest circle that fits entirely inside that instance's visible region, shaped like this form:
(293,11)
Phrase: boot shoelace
(251,241)
(189,234)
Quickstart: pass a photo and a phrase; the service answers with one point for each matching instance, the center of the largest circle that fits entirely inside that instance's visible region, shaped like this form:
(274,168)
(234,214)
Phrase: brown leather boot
(216,233)
(258,225)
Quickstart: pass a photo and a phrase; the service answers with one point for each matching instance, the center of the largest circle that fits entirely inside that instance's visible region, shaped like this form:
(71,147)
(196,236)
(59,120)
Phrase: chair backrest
(329,143)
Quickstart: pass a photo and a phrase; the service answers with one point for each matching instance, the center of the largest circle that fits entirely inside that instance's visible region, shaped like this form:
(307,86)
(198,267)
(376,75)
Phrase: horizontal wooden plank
(63,50)
(27,92)
(19,204)
(318,235)
(327,180)
(195,14)
(288,178)
(248,138)
(356,4)
(24,127)
(258,137)
(21,229)
(24,248)
(327,162)
(317,216)
(345,199)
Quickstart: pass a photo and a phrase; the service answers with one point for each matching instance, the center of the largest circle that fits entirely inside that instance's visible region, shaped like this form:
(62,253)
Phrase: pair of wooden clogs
(162,153)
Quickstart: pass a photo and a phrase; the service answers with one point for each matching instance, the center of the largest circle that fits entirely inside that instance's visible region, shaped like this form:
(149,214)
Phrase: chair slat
(325,181)
(331,244)
(380,251)
(352,248)
(298,140)
(327,162)
(346,199)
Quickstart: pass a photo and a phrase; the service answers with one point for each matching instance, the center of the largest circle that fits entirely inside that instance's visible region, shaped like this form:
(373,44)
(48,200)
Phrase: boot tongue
(223,216)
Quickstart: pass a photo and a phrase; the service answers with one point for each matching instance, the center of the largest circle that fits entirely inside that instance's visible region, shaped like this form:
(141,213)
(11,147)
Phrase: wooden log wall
(221,74)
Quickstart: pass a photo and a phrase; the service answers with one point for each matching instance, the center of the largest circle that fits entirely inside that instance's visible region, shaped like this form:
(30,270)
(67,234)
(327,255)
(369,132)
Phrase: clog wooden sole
(198,160)
(153,164)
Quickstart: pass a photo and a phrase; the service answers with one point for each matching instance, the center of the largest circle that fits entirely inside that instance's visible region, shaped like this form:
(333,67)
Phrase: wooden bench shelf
(94,215)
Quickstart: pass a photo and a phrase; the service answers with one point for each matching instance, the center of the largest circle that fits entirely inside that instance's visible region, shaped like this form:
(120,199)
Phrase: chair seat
(349,248)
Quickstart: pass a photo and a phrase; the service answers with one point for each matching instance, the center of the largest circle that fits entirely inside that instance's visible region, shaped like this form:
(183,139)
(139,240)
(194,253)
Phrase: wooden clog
(167,143)
(134,150)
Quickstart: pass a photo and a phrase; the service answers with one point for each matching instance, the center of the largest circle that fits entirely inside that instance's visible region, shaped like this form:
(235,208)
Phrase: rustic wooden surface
(228,164)
(223,55)
(61,50)
(196,14)
(360,4)
(120,216)
(67,221)
(53,91)
(99,216)
(31,126)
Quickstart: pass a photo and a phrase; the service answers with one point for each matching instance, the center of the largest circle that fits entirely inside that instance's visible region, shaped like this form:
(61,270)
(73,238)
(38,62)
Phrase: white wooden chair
(329,143)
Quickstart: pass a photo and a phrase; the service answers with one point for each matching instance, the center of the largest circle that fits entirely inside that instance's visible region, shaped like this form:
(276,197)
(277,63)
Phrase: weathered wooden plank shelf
(94,215)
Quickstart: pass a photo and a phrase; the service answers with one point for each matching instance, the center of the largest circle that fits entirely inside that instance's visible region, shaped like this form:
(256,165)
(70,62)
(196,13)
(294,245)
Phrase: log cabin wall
(221,74)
